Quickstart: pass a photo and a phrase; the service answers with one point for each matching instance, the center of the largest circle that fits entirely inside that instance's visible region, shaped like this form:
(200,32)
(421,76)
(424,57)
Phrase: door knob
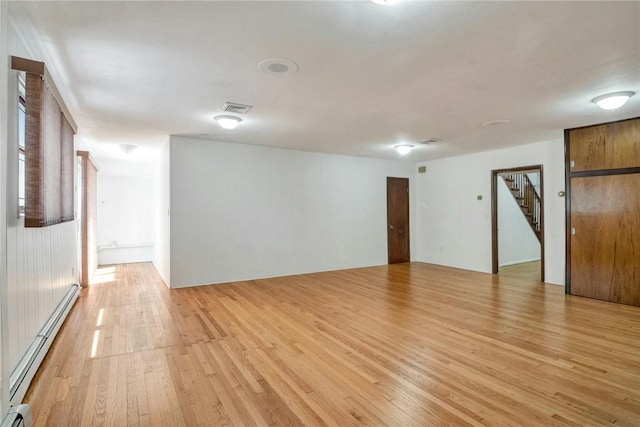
(391,227)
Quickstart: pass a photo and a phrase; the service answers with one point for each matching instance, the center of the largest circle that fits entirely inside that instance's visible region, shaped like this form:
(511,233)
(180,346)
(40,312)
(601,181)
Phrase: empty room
(373,212)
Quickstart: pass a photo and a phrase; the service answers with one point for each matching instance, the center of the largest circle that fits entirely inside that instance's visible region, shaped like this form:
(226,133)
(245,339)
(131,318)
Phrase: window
(46,145)
(21,144)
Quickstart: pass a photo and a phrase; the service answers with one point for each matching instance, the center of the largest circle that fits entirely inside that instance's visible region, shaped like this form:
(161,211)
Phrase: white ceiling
(370,76)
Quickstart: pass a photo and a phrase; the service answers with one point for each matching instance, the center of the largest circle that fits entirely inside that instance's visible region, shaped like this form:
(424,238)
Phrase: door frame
(494,214)
(88,256)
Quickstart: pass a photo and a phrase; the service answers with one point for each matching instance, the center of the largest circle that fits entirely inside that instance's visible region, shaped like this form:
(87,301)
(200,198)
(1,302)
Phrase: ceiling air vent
(232,107)
(430,141)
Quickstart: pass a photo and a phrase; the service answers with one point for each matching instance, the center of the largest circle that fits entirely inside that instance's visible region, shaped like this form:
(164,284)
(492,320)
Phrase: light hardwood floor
(406,344)
(524,271)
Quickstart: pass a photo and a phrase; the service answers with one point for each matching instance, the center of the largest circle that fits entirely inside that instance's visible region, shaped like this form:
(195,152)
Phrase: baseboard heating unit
(23,373)
(18,416)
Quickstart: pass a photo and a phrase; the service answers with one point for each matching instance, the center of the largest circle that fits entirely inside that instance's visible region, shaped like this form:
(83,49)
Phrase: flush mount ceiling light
(614,100)
(228,122)
(403,149)
(385,2)
(278,66)
(128,148)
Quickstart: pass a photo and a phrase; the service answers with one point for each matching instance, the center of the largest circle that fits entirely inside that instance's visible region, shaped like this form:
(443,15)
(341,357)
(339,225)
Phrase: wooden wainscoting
(404,344)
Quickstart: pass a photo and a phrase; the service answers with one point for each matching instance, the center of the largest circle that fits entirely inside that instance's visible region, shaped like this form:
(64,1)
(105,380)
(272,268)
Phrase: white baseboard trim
(125,254)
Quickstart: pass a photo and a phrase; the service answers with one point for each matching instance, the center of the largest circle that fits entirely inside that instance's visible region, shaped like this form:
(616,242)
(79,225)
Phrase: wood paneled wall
(41,263)
(603,211)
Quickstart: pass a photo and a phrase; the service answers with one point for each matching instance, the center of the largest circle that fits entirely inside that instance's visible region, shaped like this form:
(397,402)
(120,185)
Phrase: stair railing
(527,198)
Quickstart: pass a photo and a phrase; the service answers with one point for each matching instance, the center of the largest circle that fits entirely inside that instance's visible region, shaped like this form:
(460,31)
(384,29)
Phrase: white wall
(126,212)
(454,228)
(516,240)
(243,212)
(4,330)
(161,247)
(41,262)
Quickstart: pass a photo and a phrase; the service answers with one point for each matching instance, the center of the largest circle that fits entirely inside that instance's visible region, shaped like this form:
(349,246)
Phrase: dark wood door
(605,238)
(398,219)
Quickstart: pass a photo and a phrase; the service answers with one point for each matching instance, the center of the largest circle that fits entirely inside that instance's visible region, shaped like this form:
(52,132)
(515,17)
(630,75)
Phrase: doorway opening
(517,222)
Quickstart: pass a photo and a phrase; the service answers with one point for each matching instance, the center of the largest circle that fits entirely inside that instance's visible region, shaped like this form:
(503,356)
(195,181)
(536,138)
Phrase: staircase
(526,196)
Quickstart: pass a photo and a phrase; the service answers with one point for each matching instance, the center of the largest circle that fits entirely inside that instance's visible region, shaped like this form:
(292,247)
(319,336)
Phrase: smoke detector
(232,107)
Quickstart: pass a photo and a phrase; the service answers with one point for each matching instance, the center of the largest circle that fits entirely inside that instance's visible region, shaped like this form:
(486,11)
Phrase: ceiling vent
(232,107)
(278,66)
(430,141)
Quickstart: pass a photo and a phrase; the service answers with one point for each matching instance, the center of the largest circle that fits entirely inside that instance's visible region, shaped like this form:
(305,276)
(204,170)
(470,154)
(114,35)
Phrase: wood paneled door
(605,147)
(602,173)
(398,220)
(605,238)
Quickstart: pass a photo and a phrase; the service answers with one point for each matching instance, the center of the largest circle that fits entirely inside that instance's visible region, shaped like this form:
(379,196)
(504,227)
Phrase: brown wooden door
(608,146)
(398,219)
(605,238)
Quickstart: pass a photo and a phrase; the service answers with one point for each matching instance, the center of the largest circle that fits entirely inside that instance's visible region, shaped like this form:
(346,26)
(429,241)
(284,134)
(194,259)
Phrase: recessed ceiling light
(128,148)
(385,2)
(494,123)
(278,66)
(614,100)
(228,122)
(403,149)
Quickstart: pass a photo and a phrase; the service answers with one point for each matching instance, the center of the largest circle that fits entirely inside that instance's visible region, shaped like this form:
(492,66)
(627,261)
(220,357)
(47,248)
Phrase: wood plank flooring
(400,345)
(524,271)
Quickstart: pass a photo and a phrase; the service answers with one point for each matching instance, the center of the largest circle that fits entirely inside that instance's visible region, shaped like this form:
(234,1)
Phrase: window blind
(49,150)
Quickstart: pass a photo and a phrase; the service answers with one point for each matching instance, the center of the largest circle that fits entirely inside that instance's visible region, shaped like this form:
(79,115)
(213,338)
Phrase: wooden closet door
(605,238)
(608,146)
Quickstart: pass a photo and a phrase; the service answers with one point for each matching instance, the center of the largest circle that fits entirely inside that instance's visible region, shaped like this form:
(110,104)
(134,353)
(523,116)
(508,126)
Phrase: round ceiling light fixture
(278,66)
(128,148)
(385,2)
(228,122)
(612,101)
(403,149)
